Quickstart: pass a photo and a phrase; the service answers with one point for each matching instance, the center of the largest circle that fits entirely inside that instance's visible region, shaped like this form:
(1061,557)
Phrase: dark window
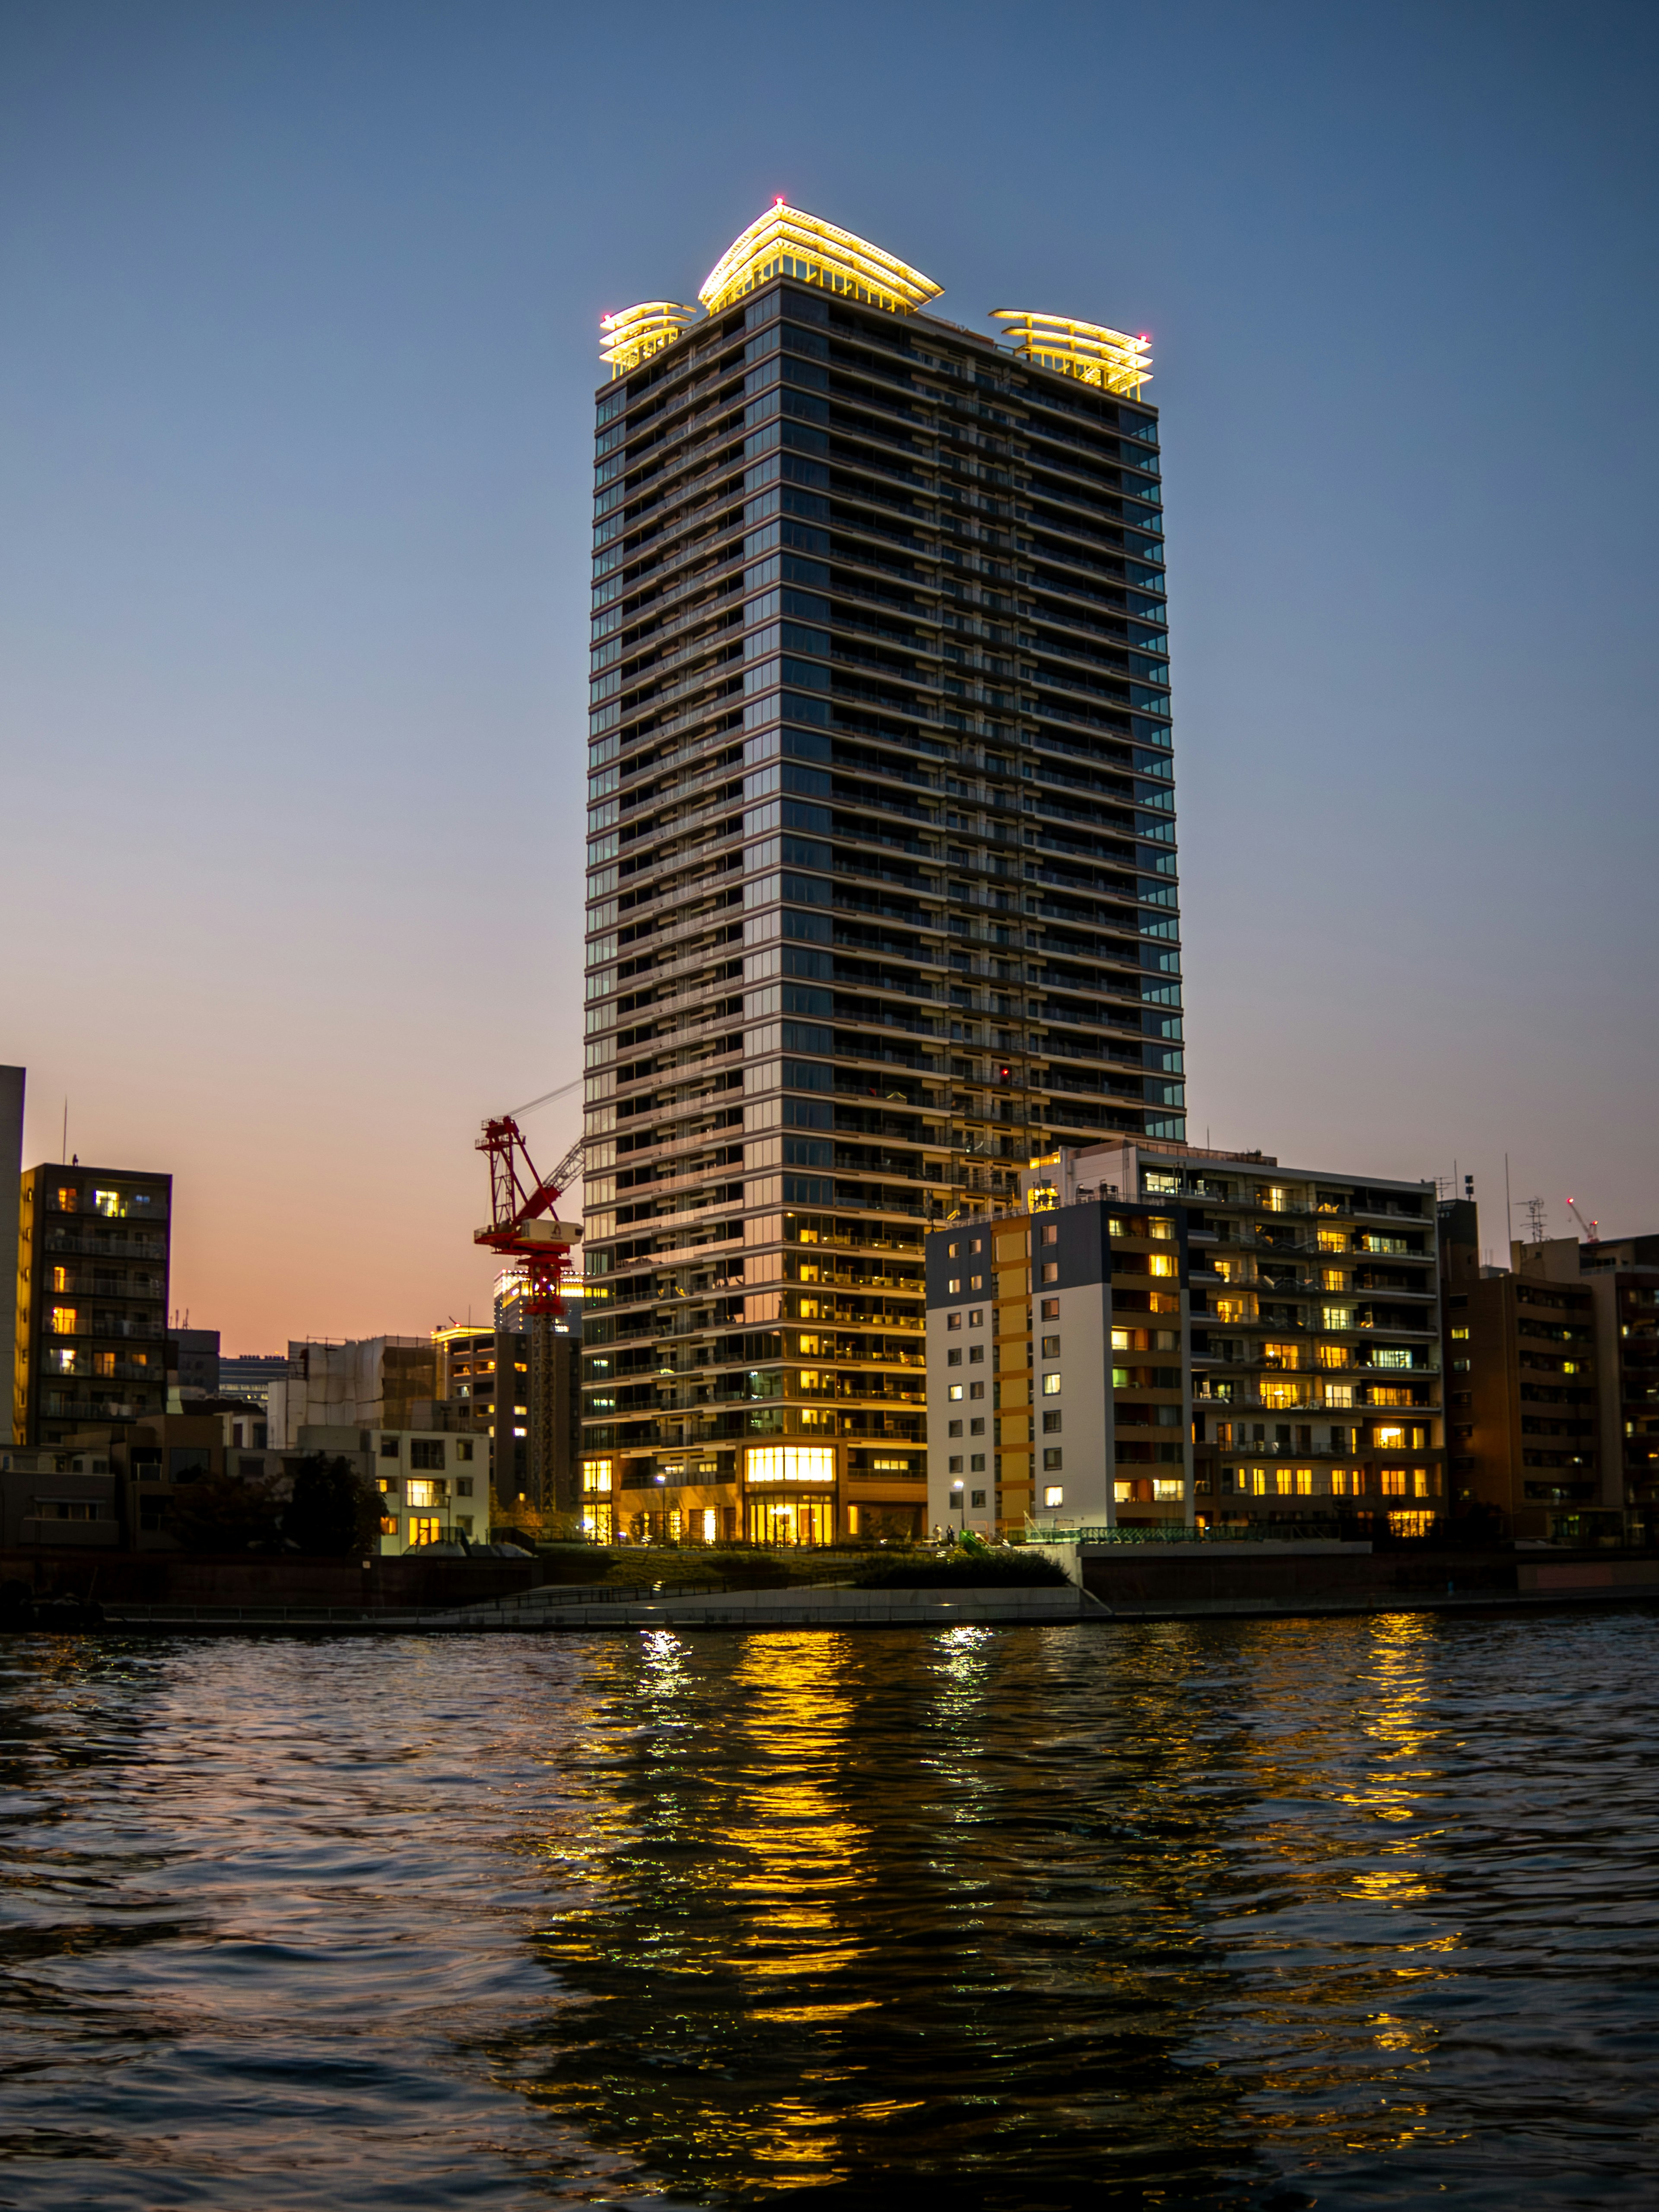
(426,1451)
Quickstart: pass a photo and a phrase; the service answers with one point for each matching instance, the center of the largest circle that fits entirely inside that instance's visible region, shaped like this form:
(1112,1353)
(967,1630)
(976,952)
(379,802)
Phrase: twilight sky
(297,350)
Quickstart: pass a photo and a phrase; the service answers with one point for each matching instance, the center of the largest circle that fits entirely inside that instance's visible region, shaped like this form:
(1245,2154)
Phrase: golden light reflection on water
(1169,1907)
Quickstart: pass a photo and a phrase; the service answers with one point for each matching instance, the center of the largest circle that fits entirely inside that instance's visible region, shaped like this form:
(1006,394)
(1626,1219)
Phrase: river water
(1347,1912)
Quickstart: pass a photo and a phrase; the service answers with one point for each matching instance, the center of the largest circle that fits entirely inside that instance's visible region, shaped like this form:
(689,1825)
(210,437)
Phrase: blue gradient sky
(297,349)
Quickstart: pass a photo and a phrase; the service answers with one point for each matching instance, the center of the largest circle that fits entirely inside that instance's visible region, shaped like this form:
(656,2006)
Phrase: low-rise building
(367,1382)
(434,1486)
(193,1362)
(57,1499)
(249,1375)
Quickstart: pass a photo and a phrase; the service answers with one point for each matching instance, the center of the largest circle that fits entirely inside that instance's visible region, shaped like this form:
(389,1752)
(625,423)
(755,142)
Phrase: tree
(331,1513)
(223,1513)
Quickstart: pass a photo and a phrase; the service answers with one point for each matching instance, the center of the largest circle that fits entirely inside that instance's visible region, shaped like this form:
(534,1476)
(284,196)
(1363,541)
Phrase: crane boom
(1589,1228)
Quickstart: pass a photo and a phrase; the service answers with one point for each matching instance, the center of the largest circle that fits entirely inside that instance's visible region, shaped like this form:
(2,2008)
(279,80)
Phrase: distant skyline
(296,368)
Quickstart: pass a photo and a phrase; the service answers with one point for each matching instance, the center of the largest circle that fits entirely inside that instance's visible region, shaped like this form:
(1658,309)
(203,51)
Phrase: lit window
(792,1463)
(951,1320)
(954,1392)
(976,1318)
(1461,1332)
(596,1477)
(1167,1491)
(424,1531)
(1304,1482)
(64,1320)
(1054,1495)
(1051,1271)
(1161,1263)
(1051,1309)
(1394,1482)
(952,1288)
(1051,1385)
(423,1493)
(1282,1481)
(1051,1232)
(1389,1438)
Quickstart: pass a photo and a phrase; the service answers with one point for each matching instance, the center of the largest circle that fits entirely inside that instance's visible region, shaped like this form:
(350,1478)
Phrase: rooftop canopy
(634,334)
(1089,351)
(788,242)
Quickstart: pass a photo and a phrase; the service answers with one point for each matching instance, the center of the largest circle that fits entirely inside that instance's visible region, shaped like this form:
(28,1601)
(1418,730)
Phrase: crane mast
(524,1227)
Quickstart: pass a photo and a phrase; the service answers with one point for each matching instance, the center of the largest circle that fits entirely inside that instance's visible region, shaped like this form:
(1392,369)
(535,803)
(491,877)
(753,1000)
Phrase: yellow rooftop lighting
(787,242)
(1089,351)
(634,334)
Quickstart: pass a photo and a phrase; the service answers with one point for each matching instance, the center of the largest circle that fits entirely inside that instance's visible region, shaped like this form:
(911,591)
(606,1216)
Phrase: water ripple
(1349,1912)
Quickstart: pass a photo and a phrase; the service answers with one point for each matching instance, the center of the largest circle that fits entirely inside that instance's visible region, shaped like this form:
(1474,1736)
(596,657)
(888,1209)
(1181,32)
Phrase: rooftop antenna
(1537,1215)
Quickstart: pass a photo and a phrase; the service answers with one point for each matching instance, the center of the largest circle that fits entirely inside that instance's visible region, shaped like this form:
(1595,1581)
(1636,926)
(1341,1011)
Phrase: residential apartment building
(1075,1312)
(1522,1369)
(92,1257)
(1622,1276)
(484,1383)
(881,874)
(1316,1357)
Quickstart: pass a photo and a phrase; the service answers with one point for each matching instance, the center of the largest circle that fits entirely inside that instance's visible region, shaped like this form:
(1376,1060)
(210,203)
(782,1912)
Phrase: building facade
(1318,1386)
(1523,1386)
(1089,1356)
(193,1361)
(12,1087)
(882,886)
(93,1256)
(249,1375)
(1621,1274)
(363,1383)
(484,1382)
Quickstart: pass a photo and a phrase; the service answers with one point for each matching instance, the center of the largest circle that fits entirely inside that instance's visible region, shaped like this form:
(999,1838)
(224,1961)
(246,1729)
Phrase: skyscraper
(881,854)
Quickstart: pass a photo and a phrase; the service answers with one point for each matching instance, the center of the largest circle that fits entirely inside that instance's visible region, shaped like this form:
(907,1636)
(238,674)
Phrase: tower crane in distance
(1589,1228)
(524,1227)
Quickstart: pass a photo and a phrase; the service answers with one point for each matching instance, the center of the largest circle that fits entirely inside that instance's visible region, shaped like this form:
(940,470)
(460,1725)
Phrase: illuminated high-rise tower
(881,855)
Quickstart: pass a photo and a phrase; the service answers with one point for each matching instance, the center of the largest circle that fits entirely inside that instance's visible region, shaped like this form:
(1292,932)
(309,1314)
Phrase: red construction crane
(1589,1228)
(525,1229)
(523,1225)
